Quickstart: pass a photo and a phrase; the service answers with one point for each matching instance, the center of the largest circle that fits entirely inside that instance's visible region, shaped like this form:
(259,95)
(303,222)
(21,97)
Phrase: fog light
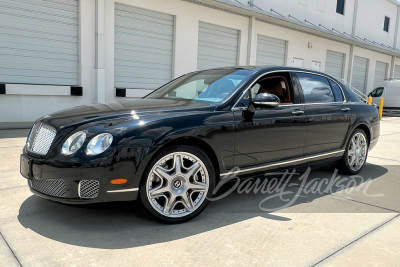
(119,181)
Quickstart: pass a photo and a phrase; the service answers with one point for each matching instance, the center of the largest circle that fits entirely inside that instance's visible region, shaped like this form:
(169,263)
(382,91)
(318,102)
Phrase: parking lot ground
(356,222)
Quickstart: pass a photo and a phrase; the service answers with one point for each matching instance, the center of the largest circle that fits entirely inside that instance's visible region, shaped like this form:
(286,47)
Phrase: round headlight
(99,144)
(73,143)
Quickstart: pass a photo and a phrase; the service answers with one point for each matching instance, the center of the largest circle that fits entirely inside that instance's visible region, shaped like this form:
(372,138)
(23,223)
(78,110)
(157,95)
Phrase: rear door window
(337,91)
(316,89)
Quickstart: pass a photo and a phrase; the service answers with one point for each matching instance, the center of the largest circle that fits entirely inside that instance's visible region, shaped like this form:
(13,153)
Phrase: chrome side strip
(376,139)
(123,190)
(283,162)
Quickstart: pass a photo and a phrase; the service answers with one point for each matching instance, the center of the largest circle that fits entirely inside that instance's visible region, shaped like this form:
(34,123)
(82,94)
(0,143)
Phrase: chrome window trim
(300,71)
(284,162)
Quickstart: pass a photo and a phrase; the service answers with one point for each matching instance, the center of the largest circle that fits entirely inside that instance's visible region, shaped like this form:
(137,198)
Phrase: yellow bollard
(370,100)
(381,108)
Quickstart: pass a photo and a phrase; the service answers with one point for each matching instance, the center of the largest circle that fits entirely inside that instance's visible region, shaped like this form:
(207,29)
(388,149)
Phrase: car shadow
(121,225)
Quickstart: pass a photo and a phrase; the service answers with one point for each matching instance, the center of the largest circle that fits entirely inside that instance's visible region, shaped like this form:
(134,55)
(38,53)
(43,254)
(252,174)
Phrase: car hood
(134,109)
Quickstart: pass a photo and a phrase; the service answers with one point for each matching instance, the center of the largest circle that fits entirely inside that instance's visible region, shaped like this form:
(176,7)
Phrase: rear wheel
(177,183)
(356,153)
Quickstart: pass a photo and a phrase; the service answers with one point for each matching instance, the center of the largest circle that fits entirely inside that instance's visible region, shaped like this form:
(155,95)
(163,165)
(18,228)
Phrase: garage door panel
(270,51)
(396,71)
(39,42)
(359,77)
(145,44)
(217,46)
(380,73)
(209,34)
(57,15)
(145,32)
(142,14)
(334,64)
(143,47)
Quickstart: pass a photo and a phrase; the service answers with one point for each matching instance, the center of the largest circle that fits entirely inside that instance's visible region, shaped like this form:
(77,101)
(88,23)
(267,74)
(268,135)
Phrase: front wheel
(356,153)
(176,184)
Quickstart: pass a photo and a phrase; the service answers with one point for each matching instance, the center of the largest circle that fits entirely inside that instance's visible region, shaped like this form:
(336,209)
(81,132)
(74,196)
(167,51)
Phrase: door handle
(345,109)
(297,112)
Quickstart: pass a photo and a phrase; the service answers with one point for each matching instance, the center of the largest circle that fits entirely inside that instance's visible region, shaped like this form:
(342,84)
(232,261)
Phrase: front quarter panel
(144,138)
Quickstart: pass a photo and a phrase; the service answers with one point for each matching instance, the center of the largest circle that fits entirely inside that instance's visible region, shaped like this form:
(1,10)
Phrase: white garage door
(218,46)
(396,71)
(334,64)
(143,47)
(380,73)
(359,77)
(39,42)
(270,51)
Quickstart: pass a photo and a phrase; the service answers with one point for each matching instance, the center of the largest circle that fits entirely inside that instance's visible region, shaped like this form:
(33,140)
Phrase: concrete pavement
(355,225)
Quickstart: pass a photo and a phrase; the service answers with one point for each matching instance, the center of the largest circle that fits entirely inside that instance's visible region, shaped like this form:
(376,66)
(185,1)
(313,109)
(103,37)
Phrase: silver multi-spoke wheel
(357,151)
(177,184)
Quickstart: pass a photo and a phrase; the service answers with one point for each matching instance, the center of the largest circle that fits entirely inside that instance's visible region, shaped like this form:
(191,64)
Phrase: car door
(328,115)
(269,134)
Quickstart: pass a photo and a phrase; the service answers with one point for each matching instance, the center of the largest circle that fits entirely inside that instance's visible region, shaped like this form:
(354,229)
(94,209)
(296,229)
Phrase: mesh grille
(40,139)
(88,188)
(52,187)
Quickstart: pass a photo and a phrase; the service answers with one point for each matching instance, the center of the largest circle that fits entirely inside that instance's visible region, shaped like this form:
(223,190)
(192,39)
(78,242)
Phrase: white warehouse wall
(27,108)
(187,17)
(370,20)
(298,46)
(373,57)
(316,11)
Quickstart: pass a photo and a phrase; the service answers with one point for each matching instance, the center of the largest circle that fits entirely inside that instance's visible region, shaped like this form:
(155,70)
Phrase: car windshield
(209,86)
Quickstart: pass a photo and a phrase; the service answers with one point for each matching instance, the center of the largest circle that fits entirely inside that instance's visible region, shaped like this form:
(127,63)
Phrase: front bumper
(79,185)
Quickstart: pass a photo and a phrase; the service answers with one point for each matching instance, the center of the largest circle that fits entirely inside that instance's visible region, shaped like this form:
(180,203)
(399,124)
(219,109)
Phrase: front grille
(88,189)
(51,187)
(41,138)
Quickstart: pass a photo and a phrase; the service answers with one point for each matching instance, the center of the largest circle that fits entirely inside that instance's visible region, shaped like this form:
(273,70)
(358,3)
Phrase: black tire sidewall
(148,208)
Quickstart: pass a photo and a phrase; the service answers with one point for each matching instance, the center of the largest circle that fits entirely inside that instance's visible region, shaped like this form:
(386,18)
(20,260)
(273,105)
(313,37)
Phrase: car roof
(271,68)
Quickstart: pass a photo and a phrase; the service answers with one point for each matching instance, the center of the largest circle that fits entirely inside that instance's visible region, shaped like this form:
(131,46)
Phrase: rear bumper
(79,185)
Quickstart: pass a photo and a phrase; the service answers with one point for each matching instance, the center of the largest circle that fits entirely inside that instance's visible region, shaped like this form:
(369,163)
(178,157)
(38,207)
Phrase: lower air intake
(88,188)
(51,187)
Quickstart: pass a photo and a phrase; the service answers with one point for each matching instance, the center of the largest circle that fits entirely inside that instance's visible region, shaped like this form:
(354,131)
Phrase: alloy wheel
(357,151)
(177,184)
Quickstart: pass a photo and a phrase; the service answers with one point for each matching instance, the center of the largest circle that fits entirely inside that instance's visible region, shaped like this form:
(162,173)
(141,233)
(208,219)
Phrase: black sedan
(169,149)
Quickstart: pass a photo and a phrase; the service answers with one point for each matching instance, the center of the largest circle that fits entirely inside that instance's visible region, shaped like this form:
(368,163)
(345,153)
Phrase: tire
(355,156)
(176,184)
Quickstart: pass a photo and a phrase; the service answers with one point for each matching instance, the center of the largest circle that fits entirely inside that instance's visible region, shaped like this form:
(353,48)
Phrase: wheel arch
(185,140)
(366,129)
(198,143)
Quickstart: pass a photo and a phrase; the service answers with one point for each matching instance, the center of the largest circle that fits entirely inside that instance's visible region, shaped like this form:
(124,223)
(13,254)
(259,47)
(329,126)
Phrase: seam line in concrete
(9,247)
(384,158)
(354,241)
(361,202)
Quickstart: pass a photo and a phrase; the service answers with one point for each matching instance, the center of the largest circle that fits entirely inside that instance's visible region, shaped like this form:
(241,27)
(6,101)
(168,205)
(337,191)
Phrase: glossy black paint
(231,137)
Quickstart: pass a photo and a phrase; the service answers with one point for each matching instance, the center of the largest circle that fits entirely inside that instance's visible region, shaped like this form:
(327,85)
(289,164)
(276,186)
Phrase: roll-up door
(396,71)
(334,64)
(217,47)
(39,42)
(359,77)
(380,73)
(270,51)
(143,47)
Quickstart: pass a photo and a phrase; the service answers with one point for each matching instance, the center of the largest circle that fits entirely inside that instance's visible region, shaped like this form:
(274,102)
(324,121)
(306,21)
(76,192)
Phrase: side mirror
(266,100)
